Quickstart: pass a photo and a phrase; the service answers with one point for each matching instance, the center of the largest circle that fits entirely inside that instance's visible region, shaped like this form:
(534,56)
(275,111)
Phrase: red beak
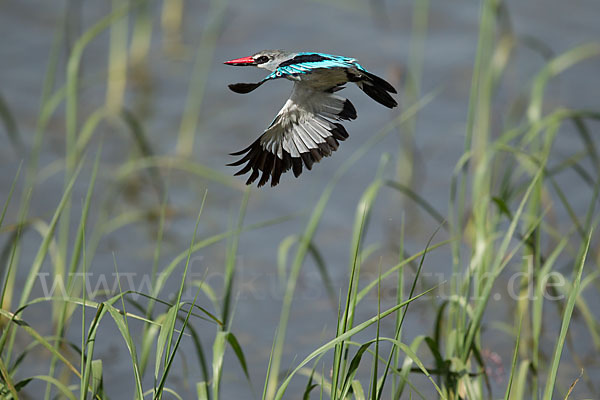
(241,61)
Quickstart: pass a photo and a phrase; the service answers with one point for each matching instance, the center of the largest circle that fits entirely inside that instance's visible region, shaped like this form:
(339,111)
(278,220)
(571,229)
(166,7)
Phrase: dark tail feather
(377,81)
(244,88)
(375,87)
(378,94)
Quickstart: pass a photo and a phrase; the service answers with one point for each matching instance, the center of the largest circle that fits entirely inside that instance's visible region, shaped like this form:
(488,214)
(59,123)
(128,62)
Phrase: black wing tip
(375,87)
(379,94)
(339,132)
(243,88)
(260,161)
(390,88)
(385,85)
(348,111)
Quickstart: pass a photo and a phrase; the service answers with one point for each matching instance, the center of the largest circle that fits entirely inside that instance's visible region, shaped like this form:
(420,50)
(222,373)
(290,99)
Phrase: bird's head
(267,59)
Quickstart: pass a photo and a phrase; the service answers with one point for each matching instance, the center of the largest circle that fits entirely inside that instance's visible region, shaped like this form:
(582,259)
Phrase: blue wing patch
(304,63)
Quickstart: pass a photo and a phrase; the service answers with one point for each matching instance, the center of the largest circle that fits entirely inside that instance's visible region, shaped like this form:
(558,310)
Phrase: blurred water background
(378,34)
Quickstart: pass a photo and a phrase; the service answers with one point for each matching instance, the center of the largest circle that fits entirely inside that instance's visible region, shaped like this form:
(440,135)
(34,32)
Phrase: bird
(307,128)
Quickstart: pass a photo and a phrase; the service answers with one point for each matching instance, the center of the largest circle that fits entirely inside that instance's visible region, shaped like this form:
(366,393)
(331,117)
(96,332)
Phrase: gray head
(267,59)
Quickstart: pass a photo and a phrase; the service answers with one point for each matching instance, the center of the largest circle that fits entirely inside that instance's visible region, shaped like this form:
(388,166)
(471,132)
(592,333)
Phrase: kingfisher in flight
(305,129)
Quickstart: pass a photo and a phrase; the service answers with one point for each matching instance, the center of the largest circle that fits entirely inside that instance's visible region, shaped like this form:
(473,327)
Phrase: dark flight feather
(244,88)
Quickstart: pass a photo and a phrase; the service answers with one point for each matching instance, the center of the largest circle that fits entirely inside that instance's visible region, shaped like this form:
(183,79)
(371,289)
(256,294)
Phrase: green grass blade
(353,368)
(43,250)
(406,366)
(513,366)
(164,335)
(217,363)
(9,197)
(239,353)
(89,351)
(231,260)
(202,390)
(121,323)
(264,394)
(553,68)
(116,80)
(7,380)
(97,380)
(11,247)
(10,125)
(567,314)
(63,389)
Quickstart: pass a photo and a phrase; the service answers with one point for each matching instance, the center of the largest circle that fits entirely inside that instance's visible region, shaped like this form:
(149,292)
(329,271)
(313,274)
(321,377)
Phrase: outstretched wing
(304,63)
(243,88)
(302,133)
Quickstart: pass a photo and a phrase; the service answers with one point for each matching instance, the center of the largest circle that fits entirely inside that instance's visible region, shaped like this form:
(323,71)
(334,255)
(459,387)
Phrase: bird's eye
(261,59)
